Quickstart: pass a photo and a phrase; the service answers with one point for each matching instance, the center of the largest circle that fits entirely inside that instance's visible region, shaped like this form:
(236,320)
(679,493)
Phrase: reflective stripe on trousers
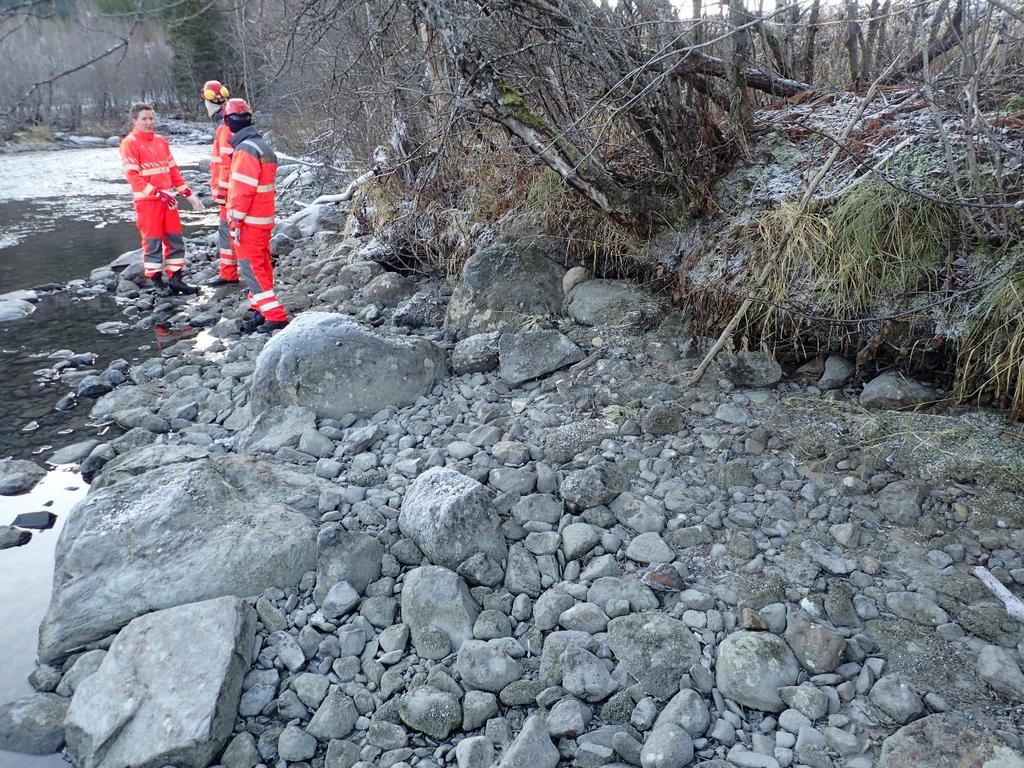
(253,251)
(160,226)
(228,263)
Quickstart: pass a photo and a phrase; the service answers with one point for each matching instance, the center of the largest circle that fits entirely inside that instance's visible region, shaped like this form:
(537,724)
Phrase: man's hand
(166,198)
(196,203)
(234,232)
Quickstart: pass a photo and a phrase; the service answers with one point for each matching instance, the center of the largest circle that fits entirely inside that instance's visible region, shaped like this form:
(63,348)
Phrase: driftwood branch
(380,167)
(1014,606)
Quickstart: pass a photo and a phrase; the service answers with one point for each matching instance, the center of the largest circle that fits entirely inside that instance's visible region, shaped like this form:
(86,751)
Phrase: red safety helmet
(215,92)
(236,107)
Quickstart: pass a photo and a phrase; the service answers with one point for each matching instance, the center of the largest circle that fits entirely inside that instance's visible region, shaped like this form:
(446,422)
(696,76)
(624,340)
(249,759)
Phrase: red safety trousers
(149,167)
(251,208)
(220,172)
(253,251)
(163,247)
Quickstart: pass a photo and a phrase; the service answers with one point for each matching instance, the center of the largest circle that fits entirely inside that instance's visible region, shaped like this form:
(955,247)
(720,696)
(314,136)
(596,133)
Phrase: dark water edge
(30,427)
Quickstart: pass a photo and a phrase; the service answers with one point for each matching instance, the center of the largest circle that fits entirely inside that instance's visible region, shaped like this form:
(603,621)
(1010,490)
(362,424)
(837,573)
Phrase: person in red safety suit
(251,201)
(214,97)
(156,181)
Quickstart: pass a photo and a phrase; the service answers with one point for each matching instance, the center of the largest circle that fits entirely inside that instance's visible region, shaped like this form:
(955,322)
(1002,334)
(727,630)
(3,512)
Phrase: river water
(63,213)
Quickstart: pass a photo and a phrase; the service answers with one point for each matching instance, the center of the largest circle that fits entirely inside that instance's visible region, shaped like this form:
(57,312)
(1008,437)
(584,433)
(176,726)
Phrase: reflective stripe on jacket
(149,165)
(220,162)
(251,185)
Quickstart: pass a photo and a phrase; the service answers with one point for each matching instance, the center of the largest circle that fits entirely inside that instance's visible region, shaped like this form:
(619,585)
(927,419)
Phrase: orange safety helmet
(236,107)
(215,92)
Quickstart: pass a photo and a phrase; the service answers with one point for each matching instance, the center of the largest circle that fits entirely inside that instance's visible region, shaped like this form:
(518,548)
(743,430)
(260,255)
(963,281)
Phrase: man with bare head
(156,182)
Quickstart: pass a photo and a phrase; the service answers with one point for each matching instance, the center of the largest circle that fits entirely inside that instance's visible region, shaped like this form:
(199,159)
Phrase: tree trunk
(852,43)
(883,39)
(754,77)
(868,64)
(935,48)
(739,103)
(812,32)
(790,20)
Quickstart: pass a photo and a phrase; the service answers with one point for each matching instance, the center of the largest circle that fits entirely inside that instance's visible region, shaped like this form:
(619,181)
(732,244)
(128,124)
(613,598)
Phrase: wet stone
(13,537)
(40,521)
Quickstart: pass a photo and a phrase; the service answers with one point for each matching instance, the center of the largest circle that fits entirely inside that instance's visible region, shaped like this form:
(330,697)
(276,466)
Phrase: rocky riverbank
(487,523)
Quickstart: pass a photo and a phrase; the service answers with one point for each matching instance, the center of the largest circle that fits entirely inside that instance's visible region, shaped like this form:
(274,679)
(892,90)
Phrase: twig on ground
(1014,606)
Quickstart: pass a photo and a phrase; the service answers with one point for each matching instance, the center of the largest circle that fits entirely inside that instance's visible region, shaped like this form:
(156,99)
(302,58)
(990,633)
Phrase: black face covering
(237,122)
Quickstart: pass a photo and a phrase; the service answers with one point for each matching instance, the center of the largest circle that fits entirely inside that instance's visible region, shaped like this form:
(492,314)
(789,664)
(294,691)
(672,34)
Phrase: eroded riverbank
(489,522)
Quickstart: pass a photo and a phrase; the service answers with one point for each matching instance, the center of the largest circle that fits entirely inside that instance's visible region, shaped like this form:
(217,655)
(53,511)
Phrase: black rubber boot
(218,281)
(159,286)
(178,285)
(251,321)
(271,325)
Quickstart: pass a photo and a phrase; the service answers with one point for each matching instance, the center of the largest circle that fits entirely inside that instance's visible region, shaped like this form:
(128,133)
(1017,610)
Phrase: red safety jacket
(220,163)
(251,186)
(149,166)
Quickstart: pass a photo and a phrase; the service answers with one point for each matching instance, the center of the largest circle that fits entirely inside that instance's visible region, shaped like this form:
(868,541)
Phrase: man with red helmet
(251,207)
(214,96)
(156,181)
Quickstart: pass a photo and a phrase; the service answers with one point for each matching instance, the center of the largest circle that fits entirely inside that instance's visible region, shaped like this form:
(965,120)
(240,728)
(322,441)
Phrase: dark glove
(166,198)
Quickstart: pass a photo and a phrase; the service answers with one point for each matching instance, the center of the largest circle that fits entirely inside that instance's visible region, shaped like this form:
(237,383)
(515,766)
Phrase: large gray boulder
(818,648)
(501,287)
(171,536)
(837,374)
(562,444)
(893,390)
(126,259)
(167,691)
(19,476)
(998,667)
(326,362)
(476,354)
(438,609)
(598,302)
(145,458)
(486,666)
(948,741)
(530,355)
(751,369)
(532,748)
(430,711)
(900,502)
(343,555)
(275,428)
(593,486)
(656,649)
(451,518)
(34,724)
(124,399)
(752,666)
(585,676)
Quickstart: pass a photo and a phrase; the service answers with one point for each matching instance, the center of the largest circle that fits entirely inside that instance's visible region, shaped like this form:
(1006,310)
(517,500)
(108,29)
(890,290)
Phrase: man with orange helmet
(251,204)
(214,96)
(156,181)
